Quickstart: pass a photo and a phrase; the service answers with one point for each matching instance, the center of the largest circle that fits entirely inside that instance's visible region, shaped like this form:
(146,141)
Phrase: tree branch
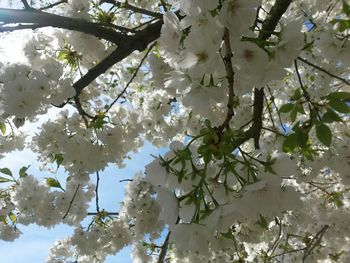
(26,5)
(96,192)
(40,19)
(132,78)
(324,71)
(164,248)
(268,26)
(53,5)
(71,202)
(135,9)
(137,42)
(230,75)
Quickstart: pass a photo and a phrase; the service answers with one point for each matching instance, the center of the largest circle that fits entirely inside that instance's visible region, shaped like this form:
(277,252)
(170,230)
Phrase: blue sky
(35,241)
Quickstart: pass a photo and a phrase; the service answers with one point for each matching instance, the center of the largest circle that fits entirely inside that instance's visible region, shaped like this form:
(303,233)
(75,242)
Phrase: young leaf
(3,128)
(12,217)
(23,171)
(5,180)
(52,182)
(324,134)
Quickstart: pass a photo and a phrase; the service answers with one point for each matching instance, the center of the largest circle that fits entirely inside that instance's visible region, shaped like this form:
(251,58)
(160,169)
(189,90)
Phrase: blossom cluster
(251,99)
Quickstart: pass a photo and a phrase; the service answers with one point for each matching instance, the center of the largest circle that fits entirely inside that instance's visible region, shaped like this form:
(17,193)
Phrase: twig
(53,5)
(96,191)
(324,71)
(131,79)
(81,111)
(137,42)
(135,9)
(314,242)
(164,248)
(26,5)
(269,110)
(230,75)
(277,110)
(279,236)
(71,202)
(126,180)
(108,213)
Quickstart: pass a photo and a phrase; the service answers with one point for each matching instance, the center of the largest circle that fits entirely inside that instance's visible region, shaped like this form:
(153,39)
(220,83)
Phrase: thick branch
(40,19)
(137,42)
(257,116)
(268,26)
(274,16)
(164,248)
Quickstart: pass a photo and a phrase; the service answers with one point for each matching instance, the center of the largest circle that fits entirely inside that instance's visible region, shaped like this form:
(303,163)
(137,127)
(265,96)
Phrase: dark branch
(132,78)
(135,9)
(53,5)
(324,71)
(26,5)
(257,116)
(273,17)
(137,42)
(164,248)
(230,75)
(71,201)
(108,213)
(96,192)
(268,26)
(39,19)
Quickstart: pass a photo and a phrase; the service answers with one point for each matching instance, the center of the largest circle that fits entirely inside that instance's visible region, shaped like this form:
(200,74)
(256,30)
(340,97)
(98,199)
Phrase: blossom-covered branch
(39,19)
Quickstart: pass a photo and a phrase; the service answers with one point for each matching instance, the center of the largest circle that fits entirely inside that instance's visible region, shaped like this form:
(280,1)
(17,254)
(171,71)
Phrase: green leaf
(290,143)
(339,106)
(12,217)
(309,153)
(52,182)
(263,223)
(23,171)
(341,95)
(346,8)
(286,108)
(302,138)
(5,180)
(58,158)
(324,134)
(331,116)
(300,108)
(3,219)
(297,95)
(343,24)
(207,123)
(3,128)
(293,114)
(6,171)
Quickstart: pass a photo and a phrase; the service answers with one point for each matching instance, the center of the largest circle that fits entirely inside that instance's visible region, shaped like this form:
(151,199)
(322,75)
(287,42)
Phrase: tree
(252,98)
